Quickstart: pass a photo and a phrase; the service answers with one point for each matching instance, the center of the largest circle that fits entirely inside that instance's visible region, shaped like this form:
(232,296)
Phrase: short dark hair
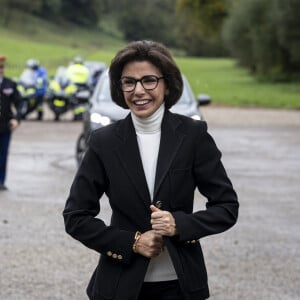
(155,53)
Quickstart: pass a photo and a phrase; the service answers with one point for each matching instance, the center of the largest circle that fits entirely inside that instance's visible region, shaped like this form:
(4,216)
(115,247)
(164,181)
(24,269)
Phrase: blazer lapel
(171,139)
(130,159)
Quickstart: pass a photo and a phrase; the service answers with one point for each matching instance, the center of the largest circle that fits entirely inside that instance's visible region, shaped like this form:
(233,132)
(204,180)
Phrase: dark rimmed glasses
(148,82)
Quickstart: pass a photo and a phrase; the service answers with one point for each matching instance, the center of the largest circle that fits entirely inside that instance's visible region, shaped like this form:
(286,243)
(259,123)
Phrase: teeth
(141,102)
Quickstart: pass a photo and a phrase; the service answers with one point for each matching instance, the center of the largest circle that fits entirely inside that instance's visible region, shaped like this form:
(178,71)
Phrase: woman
(149,165)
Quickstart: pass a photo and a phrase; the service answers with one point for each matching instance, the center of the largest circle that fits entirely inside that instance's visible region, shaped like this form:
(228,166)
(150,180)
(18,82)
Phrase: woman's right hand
(150,244)
(13,124)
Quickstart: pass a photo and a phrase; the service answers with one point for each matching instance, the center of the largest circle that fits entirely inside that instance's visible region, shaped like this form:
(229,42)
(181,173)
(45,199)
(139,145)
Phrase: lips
(141,102)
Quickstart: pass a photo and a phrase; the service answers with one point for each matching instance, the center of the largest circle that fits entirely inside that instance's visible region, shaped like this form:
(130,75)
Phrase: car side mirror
(203,99)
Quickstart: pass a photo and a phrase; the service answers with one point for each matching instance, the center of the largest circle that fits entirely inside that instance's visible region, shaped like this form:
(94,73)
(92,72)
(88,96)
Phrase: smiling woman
(149,164)
(144,92)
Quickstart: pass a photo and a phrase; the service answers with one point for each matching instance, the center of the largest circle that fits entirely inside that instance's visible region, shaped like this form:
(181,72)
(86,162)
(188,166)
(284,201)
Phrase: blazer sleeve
(82,207)
(212,181)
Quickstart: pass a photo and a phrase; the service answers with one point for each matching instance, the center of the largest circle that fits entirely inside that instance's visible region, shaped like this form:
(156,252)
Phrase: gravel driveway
(259,258)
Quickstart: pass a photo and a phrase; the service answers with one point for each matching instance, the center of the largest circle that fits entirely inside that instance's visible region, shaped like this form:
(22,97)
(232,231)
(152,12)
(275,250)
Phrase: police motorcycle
(60,92)
(63,95)
(79,74)
(80,101)
(28,90)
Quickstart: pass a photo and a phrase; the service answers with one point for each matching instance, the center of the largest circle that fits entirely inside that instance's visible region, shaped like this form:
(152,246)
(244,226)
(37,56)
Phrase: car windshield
(187,96)
(103,92)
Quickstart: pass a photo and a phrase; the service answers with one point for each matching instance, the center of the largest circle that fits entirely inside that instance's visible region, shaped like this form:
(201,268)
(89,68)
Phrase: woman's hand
(13,124)
(162,221)
(150,244)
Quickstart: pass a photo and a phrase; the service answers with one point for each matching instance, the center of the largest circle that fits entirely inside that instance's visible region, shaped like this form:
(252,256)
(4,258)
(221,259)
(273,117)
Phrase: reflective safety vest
(78,74)
(26,92)
(69,90)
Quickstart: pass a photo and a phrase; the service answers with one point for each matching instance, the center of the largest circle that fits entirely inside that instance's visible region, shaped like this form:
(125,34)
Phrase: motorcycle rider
(78,74)
(41,84)
(9,121)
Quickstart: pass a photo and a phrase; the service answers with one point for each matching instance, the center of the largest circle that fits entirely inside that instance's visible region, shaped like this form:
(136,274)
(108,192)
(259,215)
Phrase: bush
(260,35)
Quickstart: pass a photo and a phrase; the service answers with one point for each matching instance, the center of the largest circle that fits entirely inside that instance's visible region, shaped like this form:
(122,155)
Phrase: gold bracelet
(137,236)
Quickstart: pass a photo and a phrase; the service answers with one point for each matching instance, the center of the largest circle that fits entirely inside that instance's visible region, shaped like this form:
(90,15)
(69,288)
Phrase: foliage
(144,19)
(208,14)
(201,26)
(264,36)
(8,6)
(83,12)
(50,8)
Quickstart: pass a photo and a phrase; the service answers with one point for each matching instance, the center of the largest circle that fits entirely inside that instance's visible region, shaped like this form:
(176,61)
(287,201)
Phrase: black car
(104,111)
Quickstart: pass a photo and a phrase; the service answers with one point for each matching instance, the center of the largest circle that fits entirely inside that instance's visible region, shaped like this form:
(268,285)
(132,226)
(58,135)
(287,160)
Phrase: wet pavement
(259,258)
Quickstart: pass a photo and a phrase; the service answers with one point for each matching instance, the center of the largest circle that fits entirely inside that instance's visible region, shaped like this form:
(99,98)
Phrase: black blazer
(188,158)
(9,97)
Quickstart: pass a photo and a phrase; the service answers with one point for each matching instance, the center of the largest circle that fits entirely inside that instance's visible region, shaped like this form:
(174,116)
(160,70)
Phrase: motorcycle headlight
(196,117)
(99,119)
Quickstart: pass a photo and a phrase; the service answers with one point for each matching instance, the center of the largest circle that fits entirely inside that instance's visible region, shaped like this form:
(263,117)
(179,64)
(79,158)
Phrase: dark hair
(155,53)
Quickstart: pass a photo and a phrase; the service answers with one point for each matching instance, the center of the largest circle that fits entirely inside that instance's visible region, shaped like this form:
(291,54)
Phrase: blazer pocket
(106,278)
(182,187)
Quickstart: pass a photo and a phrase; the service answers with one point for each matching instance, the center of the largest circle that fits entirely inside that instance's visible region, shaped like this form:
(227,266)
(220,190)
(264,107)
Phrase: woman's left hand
(162,221)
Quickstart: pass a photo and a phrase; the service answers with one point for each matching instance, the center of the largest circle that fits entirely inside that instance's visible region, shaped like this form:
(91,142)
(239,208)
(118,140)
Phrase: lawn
(230,85)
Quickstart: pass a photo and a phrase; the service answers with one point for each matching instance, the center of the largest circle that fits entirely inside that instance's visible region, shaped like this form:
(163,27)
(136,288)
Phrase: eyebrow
(141,77)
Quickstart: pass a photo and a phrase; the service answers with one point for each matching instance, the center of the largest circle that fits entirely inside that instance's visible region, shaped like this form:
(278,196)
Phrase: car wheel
(81,147)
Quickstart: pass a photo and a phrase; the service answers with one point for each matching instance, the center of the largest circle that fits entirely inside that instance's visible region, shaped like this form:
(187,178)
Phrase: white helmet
(78,59)
(32,63)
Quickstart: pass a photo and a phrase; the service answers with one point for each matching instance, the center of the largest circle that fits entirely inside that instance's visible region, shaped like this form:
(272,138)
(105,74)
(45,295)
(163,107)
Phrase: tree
(201,24)
(209,15)
(8,6)
(149,20)
(288,23)
(263,35)
(82,12)
(50,8)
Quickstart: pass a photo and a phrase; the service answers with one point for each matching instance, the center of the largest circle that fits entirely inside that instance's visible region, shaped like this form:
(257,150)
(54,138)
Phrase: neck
(150,124)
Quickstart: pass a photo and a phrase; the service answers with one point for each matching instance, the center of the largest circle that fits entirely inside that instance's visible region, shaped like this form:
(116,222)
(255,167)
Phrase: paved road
(259,258)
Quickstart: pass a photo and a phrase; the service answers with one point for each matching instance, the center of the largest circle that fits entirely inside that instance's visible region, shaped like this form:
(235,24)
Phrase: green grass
(57,44)
(228,84)
(53,44)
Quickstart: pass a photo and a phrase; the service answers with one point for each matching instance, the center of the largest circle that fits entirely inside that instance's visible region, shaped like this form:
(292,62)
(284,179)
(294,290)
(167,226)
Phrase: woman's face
(143,103)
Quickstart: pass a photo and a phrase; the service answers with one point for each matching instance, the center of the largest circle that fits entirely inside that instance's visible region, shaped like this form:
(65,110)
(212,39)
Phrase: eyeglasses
(148,82)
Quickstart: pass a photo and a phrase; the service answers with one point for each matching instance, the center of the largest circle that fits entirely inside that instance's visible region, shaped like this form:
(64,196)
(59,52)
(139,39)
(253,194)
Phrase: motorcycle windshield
(61,76)
(28,77)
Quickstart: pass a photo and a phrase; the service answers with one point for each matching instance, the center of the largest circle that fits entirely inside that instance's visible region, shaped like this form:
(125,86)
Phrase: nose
(139,88)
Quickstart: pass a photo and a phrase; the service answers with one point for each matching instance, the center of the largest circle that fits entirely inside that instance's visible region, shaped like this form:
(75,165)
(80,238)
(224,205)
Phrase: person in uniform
(78,74)
(9,118)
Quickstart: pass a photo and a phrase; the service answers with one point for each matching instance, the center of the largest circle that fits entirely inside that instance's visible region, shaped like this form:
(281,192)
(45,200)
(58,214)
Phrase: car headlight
(196,117)
(99,119)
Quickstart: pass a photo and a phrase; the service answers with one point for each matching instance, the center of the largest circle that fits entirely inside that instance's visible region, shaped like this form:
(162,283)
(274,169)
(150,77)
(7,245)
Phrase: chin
(143,113)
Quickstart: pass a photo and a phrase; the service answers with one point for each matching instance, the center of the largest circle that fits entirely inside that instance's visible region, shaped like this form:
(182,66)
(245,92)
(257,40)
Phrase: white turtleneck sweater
(148,131)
